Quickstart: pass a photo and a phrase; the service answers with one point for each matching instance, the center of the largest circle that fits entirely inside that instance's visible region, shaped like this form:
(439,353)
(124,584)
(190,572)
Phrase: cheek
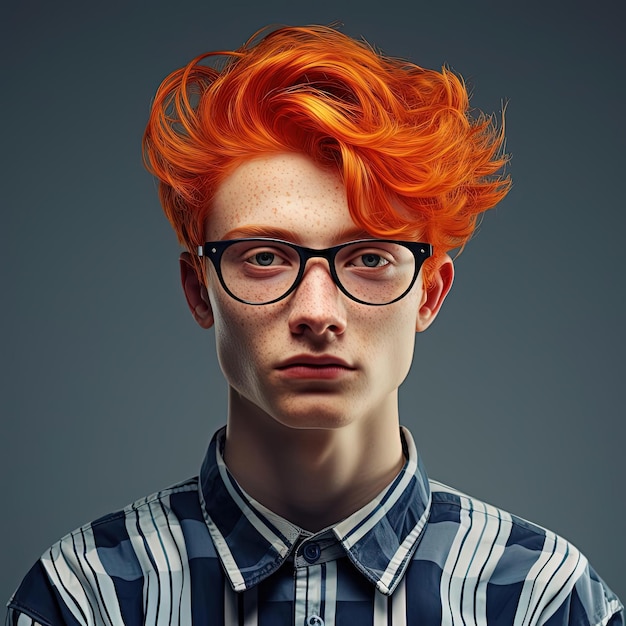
(402,348)
(392,343)
(240,339)
(387,339)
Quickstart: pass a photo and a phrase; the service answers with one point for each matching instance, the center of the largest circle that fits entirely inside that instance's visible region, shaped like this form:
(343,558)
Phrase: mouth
(314,367)
(314,361)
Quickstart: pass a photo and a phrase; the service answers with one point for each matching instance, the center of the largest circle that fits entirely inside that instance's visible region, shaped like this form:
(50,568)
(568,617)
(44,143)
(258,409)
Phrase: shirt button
(315,620)
(311,552)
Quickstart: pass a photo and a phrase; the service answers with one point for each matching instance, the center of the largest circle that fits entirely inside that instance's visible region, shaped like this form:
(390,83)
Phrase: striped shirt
(203,552)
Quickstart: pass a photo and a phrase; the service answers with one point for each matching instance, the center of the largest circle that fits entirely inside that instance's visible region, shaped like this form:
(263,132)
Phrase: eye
(264,259)
(263,256)
(370,260)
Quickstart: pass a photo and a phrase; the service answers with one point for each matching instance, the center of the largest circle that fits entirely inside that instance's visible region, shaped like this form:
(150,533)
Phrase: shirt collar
(252,542)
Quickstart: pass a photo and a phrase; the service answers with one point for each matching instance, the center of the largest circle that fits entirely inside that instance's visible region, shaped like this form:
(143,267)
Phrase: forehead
(282,192)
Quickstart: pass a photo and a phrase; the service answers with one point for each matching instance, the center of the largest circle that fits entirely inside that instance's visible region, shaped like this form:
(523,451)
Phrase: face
(316,359)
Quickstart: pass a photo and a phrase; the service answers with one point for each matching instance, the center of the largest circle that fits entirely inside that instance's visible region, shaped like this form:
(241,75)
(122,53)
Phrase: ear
(195,292)
(435,294)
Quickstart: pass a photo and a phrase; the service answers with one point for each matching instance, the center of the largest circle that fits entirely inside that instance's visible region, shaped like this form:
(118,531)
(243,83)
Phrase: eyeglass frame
(214,250)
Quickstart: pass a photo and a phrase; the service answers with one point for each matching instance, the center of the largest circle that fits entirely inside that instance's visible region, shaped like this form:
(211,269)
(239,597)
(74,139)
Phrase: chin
(317,417)
(315,424)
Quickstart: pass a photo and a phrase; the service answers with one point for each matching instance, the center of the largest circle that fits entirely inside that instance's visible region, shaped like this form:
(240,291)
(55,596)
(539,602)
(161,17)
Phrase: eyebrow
(275,232)
(253,230)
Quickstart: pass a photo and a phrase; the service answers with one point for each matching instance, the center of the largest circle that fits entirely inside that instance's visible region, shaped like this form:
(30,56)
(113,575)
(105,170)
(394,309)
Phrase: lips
(314,361)
(314,367)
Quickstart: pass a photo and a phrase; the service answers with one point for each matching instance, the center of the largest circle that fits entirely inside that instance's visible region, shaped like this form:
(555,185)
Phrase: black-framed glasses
(263,270)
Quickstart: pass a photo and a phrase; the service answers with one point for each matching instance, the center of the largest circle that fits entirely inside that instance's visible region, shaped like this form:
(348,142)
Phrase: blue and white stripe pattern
(205,553)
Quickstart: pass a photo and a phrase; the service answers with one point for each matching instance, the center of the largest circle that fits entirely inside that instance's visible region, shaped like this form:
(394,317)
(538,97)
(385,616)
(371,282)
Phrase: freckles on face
(378,342)
(232,333)
(280,196)
(289,197)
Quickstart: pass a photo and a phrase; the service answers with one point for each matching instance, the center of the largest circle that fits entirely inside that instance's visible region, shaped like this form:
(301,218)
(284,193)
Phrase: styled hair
(415,163)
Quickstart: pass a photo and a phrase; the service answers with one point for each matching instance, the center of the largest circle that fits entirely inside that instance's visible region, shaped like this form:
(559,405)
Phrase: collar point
(387,591)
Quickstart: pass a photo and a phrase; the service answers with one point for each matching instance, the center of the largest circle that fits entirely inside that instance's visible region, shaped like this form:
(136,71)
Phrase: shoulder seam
(451,496)
(24,610)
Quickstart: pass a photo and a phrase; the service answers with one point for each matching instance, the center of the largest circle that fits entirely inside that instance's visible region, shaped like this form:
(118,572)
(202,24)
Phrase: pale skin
(312,447)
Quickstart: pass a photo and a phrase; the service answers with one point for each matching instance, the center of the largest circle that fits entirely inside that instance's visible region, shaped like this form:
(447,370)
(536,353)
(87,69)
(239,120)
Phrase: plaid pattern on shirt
(203,552)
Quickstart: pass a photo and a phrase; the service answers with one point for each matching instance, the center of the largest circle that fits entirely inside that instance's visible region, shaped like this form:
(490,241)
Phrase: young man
(317,187)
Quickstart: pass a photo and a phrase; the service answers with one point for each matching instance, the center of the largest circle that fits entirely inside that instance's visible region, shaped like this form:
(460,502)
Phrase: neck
(313,477)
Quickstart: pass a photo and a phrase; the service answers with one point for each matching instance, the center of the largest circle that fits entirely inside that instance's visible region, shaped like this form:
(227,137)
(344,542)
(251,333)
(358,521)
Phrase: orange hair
(415,164)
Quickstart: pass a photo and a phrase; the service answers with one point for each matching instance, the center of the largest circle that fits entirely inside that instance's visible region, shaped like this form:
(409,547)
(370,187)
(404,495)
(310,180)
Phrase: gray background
(110,391)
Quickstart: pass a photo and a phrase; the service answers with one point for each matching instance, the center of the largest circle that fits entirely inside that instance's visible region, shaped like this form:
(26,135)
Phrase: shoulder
(511,567)
(80,575)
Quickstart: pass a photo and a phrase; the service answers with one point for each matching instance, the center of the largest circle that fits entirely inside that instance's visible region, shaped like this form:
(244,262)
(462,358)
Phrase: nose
(317,305)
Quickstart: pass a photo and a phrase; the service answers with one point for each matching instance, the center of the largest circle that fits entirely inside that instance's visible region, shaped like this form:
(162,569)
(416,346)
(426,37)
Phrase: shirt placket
(309,585)
(308,598)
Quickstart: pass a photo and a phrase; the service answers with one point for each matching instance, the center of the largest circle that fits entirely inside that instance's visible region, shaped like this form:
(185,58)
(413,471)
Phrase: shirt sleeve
(37,603)
(15,618)
(590,603)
